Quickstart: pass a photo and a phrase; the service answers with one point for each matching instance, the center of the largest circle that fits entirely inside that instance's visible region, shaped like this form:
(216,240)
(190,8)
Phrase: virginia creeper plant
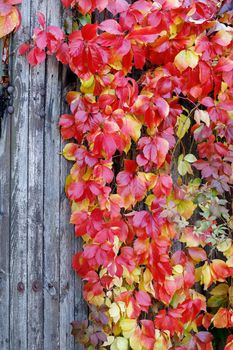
(151,140)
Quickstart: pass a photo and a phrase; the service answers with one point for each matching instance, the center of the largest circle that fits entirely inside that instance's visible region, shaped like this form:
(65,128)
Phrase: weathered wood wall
(39,293)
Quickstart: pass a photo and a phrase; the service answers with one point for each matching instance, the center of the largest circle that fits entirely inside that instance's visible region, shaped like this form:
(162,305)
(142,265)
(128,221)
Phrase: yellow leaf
(224,245)
(81,206)
(69,180)
(127,147)
(88,86)
(69,150)
(185,208)
(122,343)
(135,342)
(222,38)
(115,312)
(119,343)
(149,200)
(116,329)
(132,126)
(132,277)
(122,306)
(130,309)
(146,284)
(128,327)
(185,59)
(117,64)
(97,300)
(177,269)
(206,277)
(162,340)
(172,31)
(109,341)
(151,178)
(198,271)
(190,238)
(87,174)
(183,124)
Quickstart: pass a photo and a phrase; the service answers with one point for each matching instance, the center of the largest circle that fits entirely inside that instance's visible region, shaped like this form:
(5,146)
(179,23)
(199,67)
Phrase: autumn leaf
(128,327)
(185,208)
(185,59)
(183,124)
(9,22)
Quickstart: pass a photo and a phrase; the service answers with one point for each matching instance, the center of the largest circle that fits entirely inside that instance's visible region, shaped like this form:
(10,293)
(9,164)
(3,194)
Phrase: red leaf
(41,19)
(62,54)
(24,48)
(130,165)
(111,26)
(145,34)
(143,298)
(89,31)
(67,3)
(117,6)
(197,254)
(75,190)
(36,56)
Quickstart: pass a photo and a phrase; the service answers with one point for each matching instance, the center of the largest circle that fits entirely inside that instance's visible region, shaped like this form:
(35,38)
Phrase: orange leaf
(220,320)
(10,22)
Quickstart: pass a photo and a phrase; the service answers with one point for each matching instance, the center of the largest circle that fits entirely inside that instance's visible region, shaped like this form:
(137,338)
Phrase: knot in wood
(51,289)
(36,286)
(20,287)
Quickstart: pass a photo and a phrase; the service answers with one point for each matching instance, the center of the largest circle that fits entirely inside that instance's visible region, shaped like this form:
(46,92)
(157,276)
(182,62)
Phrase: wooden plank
(19,197)
(36,195)
(52,194)
(67,245)
(4,231)
(35,214)
(51,213)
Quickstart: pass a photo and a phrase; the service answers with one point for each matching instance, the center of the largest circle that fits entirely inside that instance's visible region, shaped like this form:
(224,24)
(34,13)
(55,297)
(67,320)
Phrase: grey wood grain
(19,195)
(35,195)
(4,231)
(36,198)
(37,284)
(52,194)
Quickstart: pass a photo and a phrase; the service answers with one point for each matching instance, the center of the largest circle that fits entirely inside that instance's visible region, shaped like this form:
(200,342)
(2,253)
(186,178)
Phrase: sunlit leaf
(185,59)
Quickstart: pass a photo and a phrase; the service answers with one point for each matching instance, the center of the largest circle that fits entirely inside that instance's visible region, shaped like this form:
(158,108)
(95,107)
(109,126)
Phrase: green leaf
(183,124)
(217,301)
(220,290)
(190,158)
(85,20)
(183,166)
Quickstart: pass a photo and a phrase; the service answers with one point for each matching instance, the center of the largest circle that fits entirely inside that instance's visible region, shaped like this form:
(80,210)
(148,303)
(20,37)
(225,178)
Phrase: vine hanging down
(151,138)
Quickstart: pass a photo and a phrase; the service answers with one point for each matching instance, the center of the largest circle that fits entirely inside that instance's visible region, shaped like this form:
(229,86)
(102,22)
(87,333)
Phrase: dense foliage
(151,138)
